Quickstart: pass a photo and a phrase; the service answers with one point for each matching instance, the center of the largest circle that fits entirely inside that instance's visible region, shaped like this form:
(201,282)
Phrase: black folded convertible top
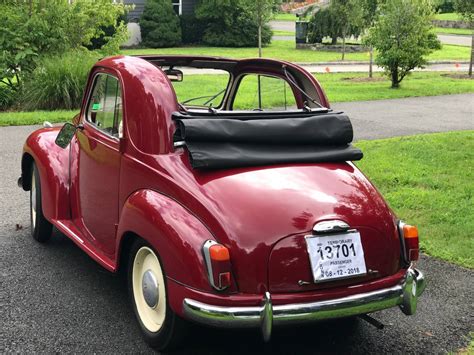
(223,141)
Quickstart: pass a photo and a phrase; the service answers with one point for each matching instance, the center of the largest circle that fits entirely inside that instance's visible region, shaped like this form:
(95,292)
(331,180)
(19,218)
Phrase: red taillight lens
(410,241)
(218,265)
(219,253)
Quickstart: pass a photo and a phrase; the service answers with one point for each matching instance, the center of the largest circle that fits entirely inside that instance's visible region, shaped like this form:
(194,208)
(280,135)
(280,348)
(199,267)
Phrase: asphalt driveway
(54,298)
(416,115)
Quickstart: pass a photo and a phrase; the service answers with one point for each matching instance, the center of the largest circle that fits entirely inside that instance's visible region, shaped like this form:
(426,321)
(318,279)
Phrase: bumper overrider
(405,295)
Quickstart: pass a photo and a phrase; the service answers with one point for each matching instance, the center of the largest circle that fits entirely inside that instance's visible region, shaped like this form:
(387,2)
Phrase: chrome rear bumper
(405,295)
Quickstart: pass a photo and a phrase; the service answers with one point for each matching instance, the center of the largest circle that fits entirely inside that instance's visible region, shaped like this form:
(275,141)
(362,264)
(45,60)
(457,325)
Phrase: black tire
(41,229)
(173,328)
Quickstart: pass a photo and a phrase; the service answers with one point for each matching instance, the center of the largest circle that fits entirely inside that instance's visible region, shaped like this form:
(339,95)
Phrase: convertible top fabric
(221,142)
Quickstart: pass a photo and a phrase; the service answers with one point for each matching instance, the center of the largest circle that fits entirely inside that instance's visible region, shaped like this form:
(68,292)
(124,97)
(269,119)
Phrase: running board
(72,232)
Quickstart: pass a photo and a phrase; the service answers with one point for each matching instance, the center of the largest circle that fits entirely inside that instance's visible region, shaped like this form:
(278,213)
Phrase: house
(182,7)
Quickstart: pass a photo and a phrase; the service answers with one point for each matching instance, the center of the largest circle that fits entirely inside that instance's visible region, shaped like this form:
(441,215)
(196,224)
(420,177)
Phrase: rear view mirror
(174,74)
(65,135)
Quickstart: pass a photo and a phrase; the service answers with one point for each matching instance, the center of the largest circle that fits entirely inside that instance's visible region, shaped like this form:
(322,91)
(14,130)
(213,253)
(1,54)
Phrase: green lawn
(285,17)
(285,50)
(429,181)
(451,52)
(283,33)
(338,86)
(35,117)
(450,16)
(416,84)
(454,31)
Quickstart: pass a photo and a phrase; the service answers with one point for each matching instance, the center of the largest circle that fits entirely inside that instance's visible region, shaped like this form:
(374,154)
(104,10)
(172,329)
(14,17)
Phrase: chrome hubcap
(150,289)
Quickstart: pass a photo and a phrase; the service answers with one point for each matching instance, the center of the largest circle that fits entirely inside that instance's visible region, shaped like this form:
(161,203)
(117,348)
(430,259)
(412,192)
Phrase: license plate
(336,256)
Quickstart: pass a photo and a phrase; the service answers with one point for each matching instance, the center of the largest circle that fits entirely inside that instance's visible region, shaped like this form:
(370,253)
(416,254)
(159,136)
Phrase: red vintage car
(230,199)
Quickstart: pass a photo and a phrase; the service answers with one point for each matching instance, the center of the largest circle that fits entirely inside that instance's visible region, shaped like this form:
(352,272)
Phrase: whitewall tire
(160,326)
(41,229)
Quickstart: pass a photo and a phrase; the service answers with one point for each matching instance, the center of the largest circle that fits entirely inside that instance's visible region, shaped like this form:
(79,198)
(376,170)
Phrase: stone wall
(450,24)
(350,48)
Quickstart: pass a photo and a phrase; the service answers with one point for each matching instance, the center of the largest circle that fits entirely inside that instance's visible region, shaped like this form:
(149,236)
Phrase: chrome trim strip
(179,144)
(332,226)
(404,295)
(207,258)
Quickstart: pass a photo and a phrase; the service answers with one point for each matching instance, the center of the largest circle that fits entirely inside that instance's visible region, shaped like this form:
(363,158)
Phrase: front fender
(174,233)
(53,166)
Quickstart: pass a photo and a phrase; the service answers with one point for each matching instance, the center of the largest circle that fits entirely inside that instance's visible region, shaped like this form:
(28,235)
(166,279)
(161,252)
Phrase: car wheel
(161,327)
(41,229)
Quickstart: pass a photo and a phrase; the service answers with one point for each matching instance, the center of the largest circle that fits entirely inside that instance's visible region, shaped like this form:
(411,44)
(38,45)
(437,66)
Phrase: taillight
(217,259)
(410,243)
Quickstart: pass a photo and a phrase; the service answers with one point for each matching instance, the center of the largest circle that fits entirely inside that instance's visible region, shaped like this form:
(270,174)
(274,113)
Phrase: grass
(450,16)
(451,52)
(416,84)
(283,33)
(285,50)
(35,117)
(454,31)
(339,87)
(429,181)
(285,17)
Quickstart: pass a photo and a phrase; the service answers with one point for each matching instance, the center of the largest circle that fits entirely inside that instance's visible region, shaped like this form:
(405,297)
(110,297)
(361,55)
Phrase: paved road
(345,67)
(53,298)
(348,67)
(289,26)
(400,117)
(283,26)
(459,40)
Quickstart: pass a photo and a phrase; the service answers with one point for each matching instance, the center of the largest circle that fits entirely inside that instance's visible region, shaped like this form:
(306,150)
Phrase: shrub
(7,97)
(328,22)
(444,6)
(36,28)
(230,24)
(160,25)
(107,32)
(323,24)
(192,29)
(58,82)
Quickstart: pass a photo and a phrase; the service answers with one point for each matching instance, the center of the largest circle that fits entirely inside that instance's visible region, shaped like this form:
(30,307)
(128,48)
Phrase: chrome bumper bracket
(266,317)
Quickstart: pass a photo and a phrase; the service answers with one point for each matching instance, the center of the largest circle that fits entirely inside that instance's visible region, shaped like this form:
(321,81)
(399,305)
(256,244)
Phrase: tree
(369,15)
(230,23)
(35,28)
(322,24)
(341,19)
(466,9)
(261,12)
(403,36)
(160,25)
(349,17)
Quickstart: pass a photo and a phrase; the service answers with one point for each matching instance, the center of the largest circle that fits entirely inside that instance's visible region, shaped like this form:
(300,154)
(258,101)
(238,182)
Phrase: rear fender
(176,234)
(52,163)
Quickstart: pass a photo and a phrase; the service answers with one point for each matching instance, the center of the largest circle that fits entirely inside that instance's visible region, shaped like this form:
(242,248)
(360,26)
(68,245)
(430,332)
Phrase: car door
(99,160)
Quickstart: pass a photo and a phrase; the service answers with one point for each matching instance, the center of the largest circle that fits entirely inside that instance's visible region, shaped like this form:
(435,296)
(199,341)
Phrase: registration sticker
(336,256)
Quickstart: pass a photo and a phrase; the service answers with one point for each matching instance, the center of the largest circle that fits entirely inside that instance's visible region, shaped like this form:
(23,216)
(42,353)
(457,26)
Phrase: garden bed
(349,48)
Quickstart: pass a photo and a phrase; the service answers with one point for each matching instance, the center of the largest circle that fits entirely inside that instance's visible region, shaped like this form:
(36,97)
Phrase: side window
(275,94)
(105,105)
